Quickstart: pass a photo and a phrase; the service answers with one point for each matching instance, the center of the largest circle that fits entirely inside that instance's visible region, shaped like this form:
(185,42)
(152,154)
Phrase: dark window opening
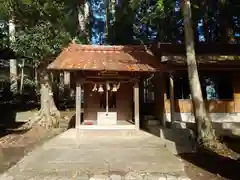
(214,86)
(149,95)
(112,100)
(181,87)
(103,100)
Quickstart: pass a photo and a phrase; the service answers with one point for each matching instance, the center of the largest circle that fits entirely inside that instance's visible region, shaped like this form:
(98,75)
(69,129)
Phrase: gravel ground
(14,144)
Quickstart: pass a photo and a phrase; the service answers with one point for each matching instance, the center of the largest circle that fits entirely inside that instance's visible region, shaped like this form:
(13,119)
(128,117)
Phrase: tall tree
(43,32)
(152,16)
(108,32)
(7,11)
(13,62)
(205,133)
(83,11)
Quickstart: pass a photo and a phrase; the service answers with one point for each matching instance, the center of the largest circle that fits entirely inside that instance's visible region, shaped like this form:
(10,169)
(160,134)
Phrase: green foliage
(159,16)
(40,42)
(44,27)
(221,19)
(3,9)
(157,9)
(3,35)
(122,26)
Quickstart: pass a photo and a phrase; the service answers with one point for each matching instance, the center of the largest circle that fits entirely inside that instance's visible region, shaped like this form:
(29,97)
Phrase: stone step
(176,148)
(177,140)
(231,129)
(108,133)
(236,131)
(105,133)
(177,135)
(179,124)
(225,128)
(63,124)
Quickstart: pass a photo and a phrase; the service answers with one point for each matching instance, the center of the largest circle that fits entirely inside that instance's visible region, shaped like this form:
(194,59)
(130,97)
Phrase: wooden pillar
(66,79)
(172,103)
(136,105)
(141,98)
(157,96)
(164,96)
(107,103)
(160,94)
(236,91)
(78,104)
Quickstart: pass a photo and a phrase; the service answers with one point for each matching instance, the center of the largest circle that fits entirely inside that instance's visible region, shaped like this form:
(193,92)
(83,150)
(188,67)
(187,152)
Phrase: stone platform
(108,155)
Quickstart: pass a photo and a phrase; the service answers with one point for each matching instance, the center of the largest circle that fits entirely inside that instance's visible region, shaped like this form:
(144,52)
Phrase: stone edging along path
(136,176)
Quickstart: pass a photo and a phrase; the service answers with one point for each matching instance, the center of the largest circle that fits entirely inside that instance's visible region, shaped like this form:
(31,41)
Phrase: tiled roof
(110,58)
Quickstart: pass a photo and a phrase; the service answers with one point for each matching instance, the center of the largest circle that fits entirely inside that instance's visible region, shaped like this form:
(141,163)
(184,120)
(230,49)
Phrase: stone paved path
(110,156)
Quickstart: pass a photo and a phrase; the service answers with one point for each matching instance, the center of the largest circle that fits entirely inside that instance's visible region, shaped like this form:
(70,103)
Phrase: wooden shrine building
(107,81)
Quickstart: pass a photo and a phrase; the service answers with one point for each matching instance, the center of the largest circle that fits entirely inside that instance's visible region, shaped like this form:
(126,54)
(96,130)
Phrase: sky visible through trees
(160,20)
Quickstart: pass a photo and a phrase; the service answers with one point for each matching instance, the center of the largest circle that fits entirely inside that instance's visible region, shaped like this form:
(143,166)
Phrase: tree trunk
(113,9)
(13,76)
(225,23)
(113,12)
(13,62)
(83,20)
(205,132)
(36,78)
(206,28)
(205,6)
(107,8)
(22,76)
(48,116)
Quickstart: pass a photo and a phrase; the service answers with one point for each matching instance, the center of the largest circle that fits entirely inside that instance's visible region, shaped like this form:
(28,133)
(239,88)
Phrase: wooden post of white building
(172,103)
(66,79)
(136,105)
(78,104)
